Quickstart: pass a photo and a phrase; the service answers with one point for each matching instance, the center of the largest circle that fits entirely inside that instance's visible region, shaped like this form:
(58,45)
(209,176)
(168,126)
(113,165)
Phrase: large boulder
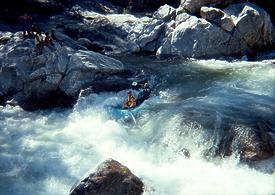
(55,77)
(253,26)
(165,13)
(218,17)
(194,37)
(110,178)
(249,143)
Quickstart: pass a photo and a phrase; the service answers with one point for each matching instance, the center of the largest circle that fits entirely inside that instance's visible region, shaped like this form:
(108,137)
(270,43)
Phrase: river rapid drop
(46,152)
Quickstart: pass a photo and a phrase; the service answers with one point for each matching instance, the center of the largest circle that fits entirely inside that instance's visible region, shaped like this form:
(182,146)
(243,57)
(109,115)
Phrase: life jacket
(131,98)
(131,101)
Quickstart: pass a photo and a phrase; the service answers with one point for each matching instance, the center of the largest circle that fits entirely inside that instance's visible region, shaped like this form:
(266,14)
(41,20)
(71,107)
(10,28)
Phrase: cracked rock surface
(56,77)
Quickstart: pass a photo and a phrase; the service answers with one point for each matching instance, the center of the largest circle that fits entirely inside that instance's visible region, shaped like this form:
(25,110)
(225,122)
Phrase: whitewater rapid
(46,152)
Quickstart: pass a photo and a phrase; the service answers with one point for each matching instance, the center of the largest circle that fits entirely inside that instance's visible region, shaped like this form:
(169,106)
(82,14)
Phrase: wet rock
(5,37)
(185,152)
(56,77)
(250,143)
(110,178)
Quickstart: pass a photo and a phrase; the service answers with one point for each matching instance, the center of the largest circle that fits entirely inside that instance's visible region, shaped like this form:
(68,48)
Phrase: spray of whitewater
(46,152)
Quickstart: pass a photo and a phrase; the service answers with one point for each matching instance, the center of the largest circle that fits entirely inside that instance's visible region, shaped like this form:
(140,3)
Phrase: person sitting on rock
(131,101)
(39,42)
(26,24)
(34,29)
(48,39)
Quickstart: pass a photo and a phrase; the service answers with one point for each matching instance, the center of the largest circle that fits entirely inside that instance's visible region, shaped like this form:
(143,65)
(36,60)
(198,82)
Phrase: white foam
(47,153)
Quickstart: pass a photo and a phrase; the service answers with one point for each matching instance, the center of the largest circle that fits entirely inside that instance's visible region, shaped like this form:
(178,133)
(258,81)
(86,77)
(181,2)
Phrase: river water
(46,152)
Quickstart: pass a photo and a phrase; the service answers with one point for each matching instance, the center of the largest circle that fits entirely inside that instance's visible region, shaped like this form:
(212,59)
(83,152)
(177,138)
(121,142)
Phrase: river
(46,152)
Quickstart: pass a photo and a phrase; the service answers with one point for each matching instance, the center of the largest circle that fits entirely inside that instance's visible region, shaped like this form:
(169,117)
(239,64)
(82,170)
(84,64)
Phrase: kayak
(129,114)
(123,114)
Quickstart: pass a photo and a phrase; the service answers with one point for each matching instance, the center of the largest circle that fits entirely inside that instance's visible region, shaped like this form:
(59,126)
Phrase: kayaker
(39,42)
(144,93)
(131,101)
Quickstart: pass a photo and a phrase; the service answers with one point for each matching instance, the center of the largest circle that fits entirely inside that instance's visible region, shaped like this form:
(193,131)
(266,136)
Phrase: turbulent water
(46,152)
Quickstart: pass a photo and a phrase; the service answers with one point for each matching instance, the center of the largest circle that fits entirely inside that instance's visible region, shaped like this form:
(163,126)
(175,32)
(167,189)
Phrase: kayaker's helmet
(129,92)
(134,83)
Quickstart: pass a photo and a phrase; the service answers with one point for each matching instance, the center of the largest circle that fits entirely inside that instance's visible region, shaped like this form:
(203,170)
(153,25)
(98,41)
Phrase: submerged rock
(110,178)
(55,77)
(249,143)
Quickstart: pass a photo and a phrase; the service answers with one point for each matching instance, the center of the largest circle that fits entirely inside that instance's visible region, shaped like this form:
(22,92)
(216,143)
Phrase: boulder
(253,25)
(55,77)
(218,17)
(109,178)
(250,143)
(199,38)
(195,38)
(5,37)
(165,13)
